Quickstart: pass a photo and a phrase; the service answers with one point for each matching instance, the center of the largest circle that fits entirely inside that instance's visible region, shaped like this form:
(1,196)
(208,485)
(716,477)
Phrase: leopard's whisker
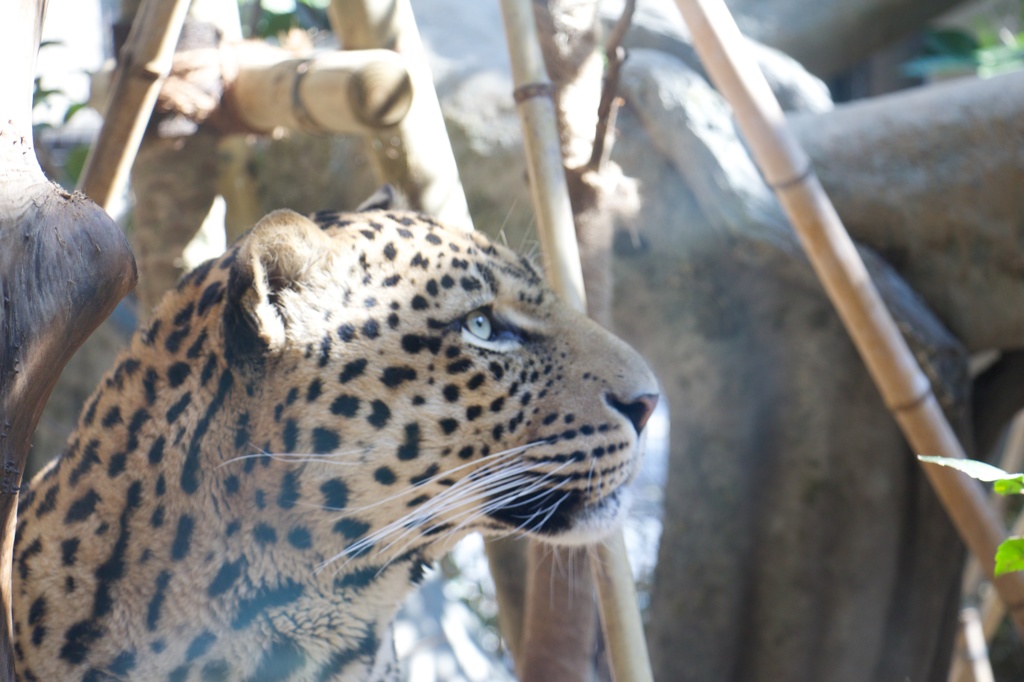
(510,479)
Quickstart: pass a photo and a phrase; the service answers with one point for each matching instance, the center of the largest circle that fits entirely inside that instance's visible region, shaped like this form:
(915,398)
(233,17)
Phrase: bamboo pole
(620,617)
(548,188)
(904,387)
(414,155)
(145,62)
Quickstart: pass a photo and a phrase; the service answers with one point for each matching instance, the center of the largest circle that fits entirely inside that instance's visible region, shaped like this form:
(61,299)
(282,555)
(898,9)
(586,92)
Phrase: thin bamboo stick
(971,663)
(620,618)
(548,188)
(904,387)
(144,64)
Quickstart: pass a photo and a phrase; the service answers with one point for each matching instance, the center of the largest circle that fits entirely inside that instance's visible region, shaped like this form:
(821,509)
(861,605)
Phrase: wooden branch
(143,65)
(415,154)
(615,55)
(63,267)
(904,387)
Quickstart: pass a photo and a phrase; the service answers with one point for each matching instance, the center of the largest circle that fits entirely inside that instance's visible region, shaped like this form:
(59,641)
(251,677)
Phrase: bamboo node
(302,115)
(530,90)
(793,181)
(914,402)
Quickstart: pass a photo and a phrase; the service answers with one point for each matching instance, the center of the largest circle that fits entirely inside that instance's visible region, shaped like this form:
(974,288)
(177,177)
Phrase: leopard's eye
(481,329)
(479,324)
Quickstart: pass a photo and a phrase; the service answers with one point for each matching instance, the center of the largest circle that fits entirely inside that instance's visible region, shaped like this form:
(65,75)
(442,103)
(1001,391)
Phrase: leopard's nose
(637,409)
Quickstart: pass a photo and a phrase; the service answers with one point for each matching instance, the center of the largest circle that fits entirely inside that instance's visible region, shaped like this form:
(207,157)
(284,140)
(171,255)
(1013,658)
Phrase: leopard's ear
(384,199)
(276,254)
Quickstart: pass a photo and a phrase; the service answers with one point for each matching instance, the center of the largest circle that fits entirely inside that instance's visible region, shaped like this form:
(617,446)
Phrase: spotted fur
(305,424)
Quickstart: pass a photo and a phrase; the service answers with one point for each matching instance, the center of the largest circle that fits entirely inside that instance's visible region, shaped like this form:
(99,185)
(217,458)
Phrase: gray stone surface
(798,534)
(932,179)
(828,36)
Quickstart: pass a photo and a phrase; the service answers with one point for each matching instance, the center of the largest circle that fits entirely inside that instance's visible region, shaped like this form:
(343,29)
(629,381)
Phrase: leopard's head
(410,383)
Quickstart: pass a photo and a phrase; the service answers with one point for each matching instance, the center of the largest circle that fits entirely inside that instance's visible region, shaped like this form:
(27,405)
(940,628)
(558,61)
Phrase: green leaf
(1005,483)
(74,109)
(1010,556)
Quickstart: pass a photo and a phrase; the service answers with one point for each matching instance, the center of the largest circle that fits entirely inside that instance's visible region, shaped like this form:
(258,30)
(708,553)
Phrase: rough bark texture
(63,267)
(801,540)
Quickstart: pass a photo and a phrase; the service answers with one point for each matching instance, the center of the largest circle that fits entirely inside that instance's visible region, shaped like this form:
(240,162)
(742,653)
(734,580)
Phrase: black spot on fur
(335,494)
(112,570)
(78,639)
(199,645)
(380,414)
(325,441)
(156,603)
(229,572)
(449,426)
(316,387)
(352,529)
(392,377)
(149,385)
(190,470)
(384,475)
(290,435)
(112,417)
(352,370)
(156,450)
(182,538)
(299,538)
(196,349)
(419,303)
(346,332)
(264,534)
(216,670)
(177,374)
(82,508)
(289,493)
(173,341)
(213,294)
(410,448)
(459,366)
(425,475)
(345,405)
(69,551)
(177,408)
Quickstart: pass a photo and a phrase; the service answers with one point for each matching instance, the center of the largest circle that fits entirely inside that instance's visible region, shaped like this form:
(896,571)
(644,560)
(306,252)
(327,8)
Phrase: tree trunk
(63,268)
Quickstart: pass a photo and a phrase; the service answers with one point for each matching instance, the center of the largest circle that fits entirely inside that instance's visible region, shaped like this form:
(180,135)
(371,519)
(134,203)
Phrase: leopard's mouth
(565,517)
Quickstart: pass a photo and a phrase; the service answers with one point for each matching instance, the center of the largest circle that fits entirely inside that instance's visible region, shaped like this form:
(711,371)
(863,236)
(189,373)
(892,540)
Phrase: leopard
(301,428)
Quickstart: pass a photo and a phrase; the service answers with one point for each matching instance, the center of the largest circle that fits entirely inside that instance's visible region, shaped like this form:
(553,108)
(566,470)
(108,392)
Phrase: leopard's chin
(594,522)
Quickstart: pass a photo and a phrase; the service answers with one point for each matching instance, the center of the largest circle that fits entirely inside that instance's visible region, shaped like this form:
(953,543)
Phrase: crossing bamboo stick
(904,387)
(144,64)
(620,617)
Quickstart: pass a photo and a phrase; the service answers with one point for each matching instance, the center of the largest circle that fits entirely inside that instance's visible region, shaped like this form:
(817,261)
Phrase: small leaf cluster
(1010,553)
